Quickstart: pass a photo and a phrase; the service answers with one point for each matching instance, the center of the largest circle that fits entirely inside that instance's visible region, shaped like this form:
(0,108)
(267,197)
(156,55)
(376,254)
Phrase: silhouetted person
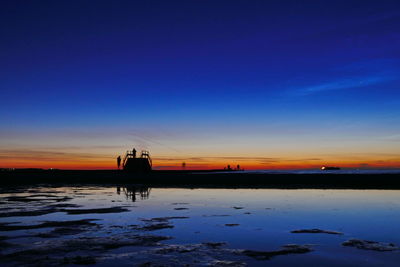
(229,168)
(134,153)
(238,167)
(119,162)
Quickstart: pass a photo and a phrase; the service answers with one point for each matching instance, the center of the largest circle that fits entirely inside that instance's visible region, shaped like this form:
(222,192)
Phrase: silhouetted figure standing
(119,162)
(238,167)
(134,153)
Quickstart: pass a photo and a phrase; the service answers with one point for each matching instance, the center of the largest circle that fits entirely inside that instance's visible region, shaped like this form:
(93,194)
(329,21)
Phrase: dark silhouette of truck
(131,163)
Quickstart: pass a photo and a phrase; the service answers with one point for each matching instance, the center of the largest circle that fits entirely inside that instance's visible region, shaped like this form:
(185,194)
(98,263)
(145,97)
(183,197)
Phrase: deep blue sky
(187,74)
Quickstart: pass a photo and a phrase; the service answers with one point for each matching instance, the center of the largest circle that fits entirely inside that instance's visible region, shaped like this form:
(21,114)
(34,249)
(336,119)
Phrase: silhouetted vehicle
(327,168)
(131,163)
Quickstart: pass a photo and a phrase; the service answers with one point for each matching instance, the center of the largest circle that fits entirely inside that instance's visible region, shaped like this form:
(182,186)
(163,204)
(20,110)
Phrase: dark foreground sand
(204,179)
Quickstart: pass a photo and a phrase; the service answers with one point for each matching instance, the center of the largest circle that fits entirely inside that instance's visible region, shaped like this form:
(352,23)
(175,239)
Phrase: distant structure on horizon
(132,163)
(229,168)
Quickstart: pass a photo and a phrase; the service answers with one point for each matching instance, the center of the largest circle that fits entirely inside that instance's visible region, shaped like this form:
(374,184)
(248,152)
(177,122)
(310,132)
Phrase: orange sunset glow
(92,161)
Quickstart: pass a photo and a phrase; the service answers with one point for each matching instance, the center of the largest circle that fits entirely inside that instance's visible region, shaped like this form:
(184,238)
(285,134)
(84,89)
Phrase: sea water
(244,219)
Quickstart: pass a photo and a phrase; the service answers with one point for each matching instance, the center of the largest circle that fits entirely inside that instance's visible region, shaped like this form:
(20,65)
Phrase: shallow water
(245,219)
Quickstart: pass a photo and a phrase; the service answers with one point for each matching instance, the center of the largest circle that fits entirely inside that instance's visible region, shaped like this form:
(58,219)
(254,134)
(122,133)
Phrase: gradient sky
(264,84)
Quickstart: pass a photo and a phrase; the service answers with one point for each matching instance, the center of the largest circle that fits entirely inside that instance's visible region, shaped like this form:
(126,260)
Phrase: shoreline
(203,179)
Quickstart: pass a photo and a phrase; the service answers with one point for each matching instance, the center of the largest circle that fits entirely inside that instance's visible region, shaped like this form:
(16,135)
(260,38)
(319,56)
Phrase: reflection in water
(208,225)
(132,191)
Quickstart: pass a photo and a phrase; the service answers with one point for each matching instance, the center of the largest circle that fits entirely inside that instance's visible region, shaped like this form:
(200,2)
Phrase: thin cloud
(209,159)
(393,138)
(40,155)
(146,139)
(344,84)
(85,147)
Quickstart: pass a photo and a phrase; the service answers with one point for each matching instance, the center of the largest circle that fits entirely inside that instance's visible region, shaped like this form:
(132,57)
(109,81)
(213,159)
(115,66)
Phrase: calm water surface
(259,219)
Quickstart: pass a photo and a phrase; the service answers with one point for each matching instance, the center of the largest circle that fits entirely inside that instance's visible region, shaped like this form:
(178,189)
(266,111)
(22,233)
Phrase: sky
(264,84)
